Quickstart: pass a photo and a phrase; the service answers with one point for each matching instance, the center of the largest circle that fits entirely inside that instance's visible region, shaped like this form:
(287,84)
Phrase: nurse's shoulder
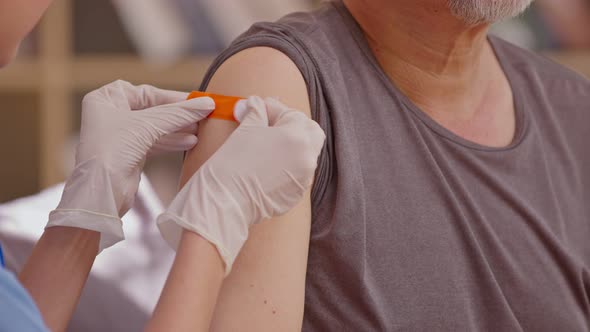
(17,309)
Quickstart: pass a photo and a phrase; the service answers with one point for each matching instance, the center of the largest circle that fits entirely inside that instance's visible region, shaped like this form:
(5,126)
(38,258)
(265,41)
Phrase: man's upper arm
(265,291)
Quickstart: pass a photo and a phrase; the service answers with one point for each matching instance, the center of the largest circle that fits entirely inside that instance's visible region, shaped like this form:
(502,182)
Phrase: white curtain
(156,28)
(165,30)
(232,17)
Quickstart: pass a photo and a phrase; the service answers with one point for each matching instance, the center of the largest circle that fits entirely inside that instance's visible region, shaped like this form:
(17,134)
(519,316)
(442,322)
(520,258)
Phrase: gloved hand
(121,124)
(262,170)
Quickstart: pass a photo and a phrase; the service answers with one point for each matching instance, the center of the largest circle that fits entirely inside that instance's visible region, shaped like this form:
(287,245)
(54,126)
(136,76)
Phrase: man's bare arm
(265,291)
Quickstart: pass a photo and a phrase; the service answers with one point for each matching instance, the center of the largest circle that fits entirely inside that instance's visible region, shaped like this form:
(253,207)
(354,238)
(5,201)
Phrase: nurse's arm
(57,270)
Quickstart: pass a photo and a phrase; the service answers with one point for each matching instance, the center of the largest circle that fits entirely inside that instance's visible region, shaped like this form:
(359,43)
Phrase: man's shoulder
(537,65)
(311,30)
(322,18)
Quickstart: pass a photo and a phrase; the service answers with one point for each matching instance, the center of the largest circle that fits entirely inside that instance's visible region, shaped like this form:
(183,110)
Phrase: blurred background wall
(83,44)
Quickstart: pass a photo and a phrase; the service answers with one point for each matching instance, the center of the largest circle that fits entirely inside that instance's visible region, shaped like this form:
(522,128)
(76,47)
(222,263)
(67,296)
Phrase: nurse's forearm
(57,270)
(189,297)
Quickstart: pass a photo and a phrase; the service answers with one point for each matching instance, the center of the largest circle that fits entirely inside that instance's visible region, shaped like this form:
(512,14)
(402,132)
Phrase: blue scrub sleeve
(18,312)
(2,257)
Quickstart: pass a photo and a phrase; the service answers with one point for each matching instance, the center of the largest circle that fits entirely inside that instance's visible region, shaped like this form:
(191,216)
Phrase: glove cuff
(171,227)
(109,227)
(90,188)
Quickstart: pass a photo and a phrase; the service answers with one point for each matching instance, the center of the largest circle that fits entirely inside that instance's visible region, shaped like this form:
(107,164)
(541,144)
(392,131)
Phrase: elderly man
(453,192)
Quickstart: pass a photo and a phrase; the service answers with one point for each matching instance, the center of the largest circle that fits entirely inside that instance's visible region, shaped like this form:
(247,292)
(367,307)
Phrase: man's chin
(478,12)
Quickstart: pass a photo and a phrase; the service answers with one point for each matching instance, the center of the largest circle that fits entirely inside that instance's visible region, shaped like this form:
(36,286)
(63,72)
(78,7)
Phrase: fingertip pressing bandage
(227,108)
(221,203)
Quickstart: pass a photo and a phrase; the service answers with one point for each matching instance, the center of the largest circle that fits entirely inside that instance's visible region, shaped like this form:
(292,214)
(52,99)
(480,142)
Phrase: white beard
(475,12)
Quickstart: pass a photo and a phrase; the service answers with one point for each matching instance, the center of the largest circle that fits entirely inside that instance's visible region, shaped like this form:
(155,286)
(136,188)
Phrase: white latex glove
(121,124)
(262,170)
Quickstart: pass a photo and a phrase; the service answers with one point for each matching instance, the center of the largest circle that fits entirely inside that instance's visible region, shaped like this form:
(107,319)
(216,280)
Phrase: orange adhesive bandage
(224,105)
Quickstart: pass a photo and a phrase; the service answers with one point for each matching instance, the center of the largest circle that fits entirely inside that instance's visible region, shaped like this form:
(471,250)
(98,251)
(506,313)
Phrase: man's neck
(441,64)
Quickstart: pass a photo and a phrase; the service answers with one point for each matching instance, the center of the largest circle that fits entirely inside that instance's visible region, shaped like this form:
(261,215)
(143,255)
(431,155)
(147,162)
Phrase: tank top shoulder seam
(299,54)
(566,73)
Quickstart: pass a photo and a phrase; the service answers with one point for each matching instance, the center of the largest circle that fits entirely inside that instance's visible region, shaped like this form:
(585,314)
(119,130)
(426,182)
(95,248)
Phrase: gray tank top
(417,229)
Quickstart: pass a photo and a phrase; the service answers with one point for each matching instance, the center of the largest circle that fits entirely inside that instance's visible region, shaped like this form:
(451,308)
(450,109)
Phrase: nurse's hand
(262,170)
(121,125)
